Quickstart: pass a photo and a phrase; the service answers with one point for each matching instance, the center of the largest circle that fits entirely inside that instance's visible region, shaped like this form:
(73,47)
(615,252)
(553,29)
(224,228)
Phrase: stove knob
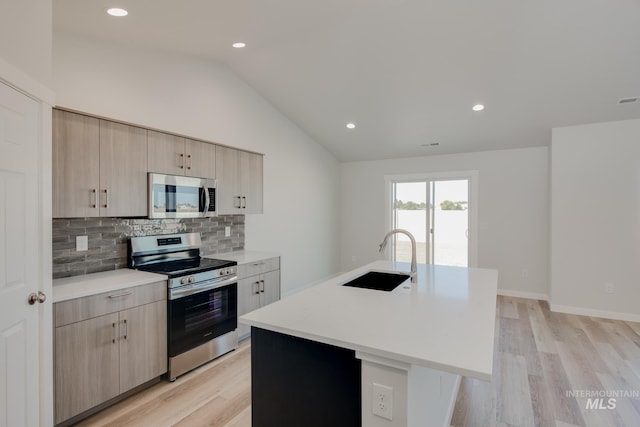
(192,279)
(183,281)
(221,272)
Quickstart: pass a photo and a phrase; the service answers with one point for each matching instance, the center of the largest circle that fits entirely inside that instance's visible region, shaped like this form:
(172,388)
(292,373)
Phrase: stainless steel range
(202,298)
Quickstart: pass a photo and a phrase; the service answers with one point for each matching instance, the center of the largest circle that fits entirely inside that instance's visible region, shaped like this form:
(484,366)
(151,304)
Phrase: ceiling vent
(623,101)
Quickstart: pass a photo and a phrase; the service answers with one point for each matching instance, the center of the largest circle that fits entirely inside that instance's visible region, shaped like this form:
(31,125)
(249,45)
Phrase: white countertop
(244,257)
(97,283)
(446,321)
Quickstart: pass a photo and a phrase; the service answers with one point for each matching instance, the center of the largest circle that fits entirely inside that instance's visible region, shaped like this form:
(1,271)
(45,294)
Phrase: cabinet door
(271,287)
(250,180)
(76,165)
(165,153)
(201,159)
(227,178)
(248,300)
(143,344)
(86,365)
(123,170)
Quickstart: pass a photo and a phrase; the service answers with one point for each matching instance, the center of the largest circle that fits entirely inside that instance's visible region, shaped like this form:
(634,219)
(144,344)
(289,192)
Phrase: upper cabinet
(99,167)
(176,155)
(239,181)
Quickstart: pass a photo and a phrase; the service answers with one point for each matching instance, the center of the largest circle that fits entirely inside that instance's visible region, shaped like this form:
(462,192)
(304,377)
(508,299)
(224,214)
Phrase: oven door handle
(195,288)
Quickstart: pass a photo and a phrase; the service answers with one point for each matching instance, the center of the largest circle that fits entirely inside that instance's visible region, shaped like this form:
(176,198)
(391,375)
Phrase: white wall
(204,99)
(513,211)
(595,217)
(25,37)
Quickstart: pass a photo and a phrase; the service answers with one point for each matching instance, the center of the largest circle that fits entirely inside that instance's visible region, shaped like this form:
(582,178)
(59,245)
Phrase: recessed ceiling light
(351,125)
(239,45)
(116,11)
(478,107)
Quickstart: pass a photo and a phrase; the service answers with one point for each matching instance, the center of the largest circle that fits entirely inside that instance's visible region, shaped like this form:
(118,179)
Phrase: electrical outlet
(609,288)
(524,273)
(82,243)
(382,401)
(227,231)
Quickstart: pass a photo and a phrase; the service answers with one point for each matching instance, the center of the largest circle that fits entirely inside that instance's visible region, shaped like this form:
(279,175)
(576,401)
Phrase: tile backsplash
(108,239)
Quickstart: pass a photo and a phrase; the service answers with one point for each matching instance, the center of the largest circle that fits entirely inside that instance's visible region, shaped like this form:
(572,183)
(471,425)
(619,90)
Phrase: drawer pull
(258,263)
(123,294)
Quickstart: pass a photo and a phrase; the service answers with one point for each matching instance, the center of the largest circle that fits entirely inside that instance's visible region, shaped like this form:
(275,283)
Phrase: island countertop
(445,321)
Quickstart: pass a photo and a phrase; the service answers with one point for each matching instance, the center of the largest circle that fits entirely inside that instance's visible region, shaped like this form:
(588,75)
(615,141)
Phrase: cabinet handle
(262,286)
(189,161)
(113,340)
(93,198)
(126,329)
(239,202)
(181,161)
(106,198)
(258,263)
(122,294)
(244,199)
(257,288)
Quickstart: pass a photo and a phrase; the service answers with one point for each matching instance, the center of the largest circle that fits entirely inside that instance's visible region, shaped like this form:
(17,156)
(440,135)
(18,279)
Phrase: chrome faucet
(414,265)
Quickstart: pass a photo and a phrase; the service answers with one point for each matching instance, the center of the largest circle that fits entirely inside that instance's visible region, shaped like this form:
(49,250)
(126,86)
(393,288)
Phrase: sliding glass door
(437,212)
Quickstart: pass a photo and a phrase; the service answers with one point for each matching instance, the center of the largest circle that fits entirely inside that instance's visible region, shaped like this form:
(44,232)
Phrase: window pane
(451,222)
(410,213)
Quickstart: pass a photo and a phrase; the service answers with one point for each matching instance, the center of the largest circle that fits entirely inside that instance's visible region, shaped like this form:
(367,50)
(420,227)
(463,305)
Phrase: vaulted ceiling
(406,72)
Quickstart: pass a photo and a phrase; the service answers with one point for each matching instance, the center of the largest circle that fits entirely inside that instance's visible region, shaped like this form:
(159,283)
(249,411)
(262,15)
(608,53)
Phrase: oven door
(201,313)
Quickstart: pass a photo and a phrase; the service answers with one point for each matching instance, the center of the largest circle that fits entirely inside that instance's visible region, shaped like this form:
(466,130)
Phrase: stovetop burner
(183,267)
(174,255)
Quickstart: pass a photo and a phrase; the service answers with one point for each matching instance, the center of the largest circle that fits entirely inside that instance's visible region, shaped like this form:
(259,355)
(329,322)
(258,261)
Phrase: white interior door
(19,259)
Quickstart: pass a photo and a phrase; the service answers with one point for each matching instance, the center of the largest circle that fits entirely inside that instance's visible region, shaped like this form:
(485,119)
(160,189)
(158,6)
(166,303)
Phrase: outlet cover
(227,231)
(382,401)
(82,243)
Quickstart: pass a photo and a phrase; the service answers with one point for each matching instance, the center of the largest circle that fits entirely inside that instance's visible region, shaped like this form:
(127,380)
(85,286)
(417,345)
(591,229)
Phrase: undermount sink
(378,280)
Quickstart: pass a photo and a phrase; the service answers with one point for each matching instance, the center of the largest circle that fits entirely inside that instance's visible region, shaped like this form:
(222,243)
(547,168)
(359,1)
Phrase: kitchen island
(334,355)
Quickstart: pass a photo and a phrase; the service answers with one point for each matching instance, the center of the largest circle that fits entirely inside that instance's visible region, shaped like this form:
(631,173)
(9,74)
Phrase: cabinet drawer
(258,267)
(75,310)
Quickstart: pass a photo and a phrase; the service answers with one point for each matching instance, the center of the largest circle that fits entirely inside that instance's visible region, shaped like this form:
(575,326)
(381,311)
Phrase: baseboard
(522,294)
(614,315)
(452,403)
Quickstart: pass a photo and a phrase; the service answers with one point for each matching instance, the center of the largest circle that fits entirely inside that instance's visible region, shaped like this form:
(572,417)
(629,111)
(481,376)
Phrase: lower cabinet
(99,358)
(258,285)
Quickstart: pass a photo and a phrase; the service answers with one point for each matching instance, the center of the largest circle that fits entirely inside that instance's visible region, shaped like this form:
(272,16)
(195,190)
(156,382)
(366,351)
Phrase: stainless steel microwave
(172,196)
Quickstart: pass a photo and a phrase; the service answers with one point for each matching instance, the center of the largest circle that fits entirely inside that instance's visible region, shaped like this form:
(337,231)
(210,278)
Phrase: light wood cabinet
(239,181)
(99,356)
(86,365)
(123,170)
(177,155)
(99,167)
(76,165)
(143,344)
(258,285)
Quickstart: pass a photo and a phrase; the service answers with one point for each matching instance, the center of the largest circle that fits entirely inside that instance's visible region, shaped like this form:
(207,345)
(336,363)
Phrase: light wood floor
(540,357)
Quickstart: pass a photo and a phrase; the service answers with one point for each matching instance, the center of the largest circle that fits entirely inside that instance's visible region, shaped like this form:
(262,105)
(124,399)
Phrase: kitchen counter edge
(86,285)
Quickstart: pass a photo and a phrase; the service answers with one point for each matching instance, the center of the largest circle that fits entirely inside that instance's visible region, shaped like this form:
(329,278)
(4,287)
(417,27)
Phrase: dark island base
(298,382)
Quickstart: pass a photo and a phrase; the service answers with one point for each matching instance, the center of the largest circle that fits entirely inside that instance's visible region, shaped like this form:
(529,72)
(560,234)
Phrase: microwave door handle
(205,190)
